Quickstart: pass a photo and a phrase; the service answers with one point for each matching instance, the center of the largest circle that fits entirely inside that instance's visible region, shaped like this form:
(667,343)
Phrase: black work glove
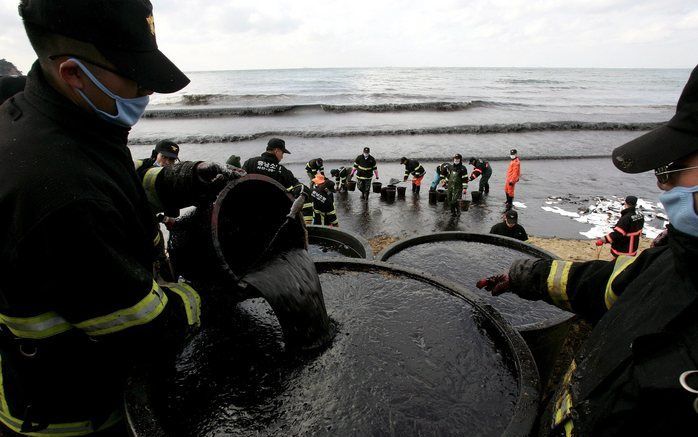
(214,176)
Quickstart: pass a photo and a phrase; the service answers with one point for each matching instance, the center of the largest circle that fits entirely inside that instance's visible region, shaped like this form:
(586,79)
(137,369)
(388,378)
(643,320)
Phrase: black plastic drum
(328,242)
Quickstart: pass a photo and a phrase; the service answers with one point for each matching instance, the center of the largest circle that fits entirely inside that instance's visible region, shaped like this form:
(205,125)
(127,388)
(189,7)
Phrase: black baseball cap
(631,200)
(513,152)
(512,216)
(167,148)
(122,30)
(668,143)
(367,150)
(277,143)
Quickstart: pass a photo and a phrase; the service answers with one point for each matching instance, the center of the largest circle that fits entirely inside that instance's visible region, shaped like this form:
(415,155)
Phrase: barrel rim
(356,240)
(511,243)
(526,409)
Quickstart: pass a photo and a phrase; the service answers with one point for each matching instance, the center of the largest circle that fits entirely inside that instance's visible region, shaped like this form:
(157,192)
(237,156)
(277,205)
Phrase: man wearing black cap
(414,168)
(314,167)
(481,169)
(324,210)
(509,227)
(364,168)
(625,236)
(269,164)
(79,301)
(637,373)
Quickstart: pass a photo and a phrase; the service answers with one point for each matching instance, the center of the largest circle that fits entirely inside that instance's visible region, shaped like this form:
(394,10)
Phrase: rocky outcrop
(7,68)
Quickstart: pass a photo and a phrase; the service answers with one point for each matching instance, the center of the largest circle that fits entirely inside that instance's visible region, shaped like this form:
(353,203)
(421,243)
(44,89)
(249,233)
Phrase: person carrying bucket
(637,371)
(457,182)
(314,167)
(513,174)
(323,202)
(364,168)
(440,176)
(341,176)
(413,167)
(481,169)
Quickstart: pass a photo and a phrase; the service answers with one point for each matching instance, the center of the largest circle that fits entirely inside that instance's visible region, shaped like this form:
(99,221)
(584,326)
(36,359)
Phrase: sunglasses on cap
(663,173)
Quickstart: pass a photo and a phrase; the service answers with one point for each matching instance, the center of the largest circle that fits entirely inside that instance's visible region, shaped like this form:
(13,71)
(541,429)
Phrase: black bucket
(413,355)
(328,242)
(389,194)
(401,191)
(465,258)
(351,185)
(433,197)
(464,204)
(441,195)
(377,187)
(214,245)
(476,196)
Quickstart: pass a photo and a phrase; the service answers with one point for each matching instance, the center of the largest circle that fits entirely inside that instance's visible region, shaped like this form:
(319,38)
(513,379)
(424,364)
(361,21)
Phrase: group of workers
(79,303)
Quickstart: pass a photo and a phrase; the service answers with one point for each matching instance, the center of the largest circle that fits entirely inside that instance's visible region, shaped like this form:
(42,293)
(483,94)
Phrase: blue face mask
(128,111)
(678,203)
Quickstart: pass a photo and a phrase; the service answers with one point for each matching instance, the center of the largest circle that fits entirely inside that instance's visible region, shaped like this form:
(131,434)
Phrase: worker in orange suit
(513,173)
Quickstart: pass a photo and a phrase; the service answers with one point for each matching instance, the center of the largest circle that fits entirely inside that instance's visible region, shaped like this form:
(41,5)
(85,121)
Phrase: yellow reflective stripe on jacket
(36,327)
(622,262)
(364,168)
(191,299)
(149,179)
(141,313)
(557,283)
(562,414)
(138,163)
(55,429)
(157,239)
(364,178)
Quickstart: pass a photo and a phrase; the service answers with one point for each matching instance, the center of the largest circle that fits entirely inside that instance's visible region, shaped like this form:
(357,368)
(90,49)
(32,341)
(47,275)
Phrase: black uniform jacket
(313,166)
(480,168)
(412,166)
(268,165)
(625,378)
(323,206)
(78,303)
(365,166)
(517,231)
(626,234)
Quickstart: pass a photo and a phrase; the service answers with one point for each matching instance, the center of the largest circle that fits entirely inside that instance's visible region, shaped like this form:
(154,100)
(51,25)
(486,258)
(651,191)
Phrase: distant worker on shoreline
(365,168)
(341,176)
(323,202)
(413,167)
(314,167)
(626,234)
(269,164)
(482,169)
(457,183)
(440,176)
(513,174)
(510,227)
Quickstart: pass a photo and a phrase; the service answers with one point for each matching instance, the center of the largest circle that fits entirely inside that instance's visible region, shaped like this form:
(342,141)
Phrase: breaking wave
(552,126)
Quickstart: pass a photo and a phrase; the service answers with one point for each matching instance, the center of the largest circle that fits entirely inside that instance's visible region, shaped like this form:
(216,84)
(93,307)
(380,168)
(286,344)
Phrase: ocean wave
(530,81)
(246,111)
(552,126)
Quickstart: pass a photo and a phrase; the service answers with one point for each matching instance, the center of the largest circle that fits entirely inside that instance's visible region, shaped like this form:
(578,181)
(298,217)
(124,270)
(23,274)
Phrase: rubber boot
(416,189)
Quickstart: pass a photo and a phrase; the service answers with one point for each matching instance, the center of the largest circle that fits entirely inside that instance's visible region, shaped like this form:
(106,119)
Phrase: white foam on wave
(603,214)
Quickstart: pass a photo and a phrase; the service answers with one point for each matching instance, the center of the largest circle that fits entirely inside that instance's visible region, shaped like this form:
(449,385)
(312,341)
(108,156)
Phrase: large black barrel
(413,355)
(467,257)
(214,245)
(327,242)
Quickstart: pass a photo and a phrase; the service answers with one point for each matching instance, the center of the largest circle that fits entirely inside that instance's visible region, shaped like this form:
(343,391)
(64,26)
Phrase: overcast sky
(250,34)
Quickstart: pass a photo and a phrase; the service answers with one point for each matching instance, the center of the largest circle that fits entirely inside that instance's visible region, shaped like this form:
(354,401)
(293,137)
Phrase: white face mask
(512,156)
(456,161)
(365,155)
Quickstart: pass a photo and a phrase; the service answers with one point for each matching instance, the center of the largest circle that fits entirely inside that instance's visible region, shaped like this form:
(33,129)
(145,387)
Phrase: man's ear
(70,73)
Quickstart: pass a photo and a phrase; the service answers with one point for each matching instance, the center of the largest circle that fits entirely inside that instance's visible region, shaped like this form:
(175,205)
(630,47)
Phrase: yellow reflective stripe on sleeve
(149,179)
(622,262)
(37,327)
(138,163)
(56,429)
(191,299)
(569,426)
(143,312)
(557,283)
(157,239)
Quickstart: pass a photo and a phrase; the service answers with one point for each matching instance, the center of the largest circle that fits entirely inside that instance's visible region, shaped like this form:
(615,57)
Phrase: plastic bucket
(441,195)
(401,192)
(467,257)
(351,185)
(433,197)
(476,196)
(442,374)
(206,243)
(377,187)
(390,193)
(464,204)
(328,242)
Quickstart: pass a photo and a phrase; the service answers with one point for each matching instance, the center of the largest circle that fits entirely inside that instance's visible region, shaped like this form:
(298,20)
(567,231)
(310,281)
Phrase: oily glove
(496,284)
(661,239)
(214,176)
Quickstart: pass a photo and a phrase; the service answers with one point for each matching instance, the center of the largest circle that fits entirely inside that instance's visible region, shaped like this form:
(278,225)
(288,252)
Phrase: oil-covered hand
(496,284)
